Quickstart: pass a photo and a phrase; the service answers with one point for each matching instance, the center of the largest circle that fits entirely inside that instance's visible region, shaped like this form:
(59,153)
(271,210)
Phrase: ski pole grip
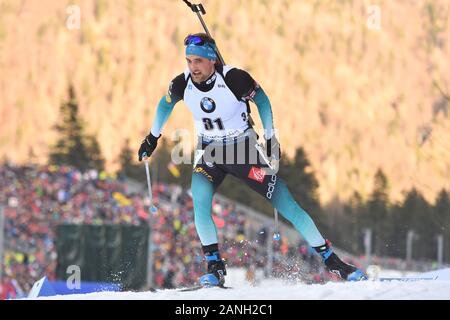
(201,8)
(198,8)
(195,7)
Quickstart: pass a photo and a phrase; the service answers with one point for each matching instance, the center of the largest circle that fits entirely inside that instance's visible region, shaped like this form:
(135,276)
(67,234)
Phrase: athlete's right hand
(148,146)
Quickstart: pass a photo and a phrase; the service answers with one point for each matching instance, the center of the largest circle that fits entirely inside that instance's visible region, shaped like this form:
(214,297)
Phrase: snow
(270,289)
(443,274)
(420,290)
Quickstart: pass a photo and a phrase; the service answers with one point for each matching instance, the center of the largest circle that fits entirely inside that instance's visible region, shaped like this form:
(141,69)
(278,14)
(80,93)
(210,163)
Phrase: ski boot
(335,265)
(216,270)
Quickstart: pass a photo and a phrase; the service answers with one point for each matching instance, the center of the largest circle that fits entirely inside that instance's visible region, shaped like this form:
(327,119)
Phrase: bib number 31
(210,124)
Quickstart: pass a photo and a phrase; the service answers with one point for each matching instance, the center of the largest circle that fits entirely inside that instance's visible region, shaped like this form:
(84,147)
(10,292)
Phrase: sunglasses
(196,40)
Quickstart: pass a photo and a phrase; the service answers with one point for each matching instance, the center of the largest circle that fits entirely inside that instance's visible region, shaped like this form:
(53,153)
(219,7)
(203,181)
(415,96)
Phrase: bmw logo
(208,105)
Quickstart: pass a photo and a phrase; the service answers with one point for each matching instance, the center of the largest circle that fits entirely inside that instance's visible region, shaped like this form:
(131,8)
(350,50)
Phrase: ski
(407,279)
(198,287)
(192,288)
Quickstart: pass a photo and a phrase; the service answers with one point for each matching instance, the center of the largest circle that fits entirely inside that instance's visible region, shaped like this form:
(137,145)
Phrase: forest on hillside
(356,99)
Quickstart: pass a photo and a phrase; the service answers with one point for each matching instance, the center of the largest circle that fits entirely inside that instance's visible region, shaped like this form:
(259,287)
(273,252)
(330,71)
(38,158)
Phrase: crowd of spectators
(38,198)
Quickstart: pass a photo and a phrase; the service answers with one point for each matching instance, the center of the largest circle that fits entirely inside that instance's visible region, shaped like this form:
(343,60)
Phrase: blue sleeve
(163,112)
(265,111)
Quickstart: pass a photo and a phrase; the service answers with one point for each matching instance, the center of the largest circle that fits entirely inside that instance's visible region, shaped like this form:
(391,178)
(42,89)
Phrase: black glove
(148,146)
(273,148)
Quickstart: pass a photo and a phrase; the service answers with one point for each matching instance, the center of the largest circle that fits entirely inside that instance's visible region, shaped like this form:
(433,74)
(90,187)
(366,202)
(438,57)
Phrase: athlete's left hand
(273,148)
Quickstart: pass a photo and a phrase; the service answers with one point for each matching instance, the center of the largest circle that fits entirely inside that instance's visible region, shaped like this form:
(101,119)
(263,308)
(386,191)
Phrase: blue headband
(206,51)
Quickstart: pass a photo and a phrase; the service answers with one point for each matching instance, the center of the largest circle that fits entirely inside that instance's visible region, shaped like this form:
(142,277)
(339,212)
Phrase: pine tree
(350,227)
(441,215)
(94,153)
(127,166)
(398,231)
(414,214)
(73,147)
(378,213)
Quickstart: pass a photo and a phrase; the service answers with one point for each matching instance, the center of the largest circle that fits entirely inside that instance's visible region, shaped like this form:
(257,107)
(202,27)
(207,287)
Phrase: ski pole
(153,209)
(199,10)
(276,234)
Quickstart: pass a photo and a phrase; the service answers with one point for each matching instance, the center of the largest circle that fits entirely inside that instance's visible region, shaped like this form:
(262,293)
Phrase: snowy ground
(436,290)
(279,290)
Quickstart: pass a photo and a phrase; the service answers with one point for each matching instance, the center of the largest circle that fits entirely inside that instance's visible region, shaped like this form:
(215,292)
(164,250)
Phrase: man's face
(200,68)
